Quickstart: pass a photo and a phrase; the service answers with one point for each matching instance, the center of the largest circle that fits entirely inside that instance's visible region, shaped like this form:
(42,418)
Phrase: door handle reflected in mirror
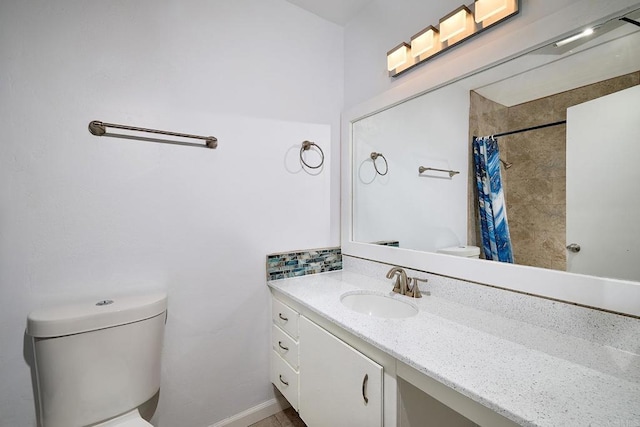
(573,247)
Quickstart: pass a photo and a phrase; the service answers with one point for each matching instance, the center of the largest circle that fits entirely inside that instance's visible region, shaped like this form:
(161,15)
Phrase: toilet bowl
(463,251)
(97,360)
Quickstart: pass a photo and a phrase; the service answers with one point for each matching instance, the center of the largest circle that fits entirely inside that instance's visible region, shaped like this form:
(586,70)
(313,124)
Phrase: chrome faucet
(402,284)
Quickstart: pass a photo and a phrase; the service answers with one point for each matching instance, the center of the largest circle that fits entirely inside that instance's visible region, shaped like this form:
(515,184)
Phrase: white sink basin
(379,305)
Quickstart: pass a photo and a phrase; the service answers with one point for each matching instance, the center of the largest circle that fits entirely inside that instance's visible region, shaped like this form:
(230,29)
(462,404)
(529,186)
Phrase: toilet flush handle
(574,247)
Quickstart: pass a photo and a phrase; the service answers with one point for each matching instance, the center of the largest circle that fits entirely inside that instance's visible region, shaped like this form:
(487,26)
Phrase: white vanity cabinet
(326,380)
(339,386)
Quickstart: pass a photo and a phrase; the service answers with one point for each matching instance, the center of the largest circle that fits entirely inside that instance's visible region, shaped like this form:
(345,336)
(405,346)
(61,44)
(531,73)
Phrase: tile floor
(287,418)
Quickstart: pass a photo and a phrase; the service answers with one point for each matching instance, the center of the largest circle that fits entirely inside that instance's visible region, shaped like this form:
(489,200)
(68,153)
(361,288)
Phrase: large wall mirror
(572,182)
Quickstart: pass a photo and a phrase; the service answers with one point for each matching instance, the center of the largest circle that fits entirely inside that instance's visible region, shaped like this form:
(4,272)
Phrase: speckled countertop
(531,375)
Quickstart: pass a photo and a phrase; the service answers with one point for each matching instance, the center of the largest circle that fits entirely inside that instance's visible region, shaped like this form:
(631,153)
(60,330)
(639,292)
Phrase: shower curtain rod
(528,129)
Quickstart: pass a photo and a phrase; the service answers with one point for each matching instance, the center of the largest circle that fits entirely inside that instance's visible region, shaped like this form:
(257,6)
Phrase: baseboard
(255,414)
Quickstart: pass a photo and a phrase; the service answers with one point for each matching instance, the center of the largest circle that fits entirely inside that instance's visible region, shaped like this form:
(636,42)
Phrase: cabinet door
(339,386)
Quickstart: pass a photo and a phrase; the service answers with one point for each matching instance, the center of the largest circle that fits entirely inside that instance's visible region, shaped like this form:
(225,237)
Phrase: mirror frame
(614,295)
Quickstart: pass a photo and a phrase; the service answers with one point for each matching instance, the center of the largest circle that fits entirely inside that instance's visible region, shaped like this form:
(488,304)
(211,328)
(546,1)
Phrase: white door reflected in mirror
(602,171)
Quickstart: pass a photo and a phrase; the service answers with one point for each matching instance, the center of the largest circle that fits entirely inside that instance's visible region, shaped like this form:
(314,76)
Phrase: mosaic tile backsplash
(301,263)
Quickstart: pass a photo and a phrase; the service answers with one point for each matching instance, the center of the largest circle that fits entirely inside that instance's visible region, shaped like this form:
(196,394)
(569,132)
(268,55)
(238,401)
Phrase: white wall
(423,212)
(87,216)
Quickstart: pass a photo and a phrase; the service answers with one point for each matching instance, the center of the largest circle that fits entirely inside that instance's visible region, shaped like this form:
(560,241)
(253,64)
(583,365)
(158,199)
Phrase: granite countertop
(531,375)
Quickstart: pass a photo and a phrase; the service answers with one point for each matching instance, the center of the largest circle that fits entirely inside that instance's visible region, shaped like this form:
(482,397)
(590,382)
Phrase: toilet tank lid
(94,314)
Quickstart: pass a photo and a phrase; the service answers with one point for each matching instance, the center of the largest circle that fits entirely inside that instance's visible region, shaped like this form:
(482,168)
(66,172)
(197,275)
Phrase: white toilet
(96,362)
(463,251)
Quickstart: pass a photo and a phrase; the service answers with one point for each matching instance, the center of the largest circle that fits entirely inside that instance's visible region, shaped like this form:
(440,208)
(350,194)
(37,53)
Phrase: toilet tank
(98,359)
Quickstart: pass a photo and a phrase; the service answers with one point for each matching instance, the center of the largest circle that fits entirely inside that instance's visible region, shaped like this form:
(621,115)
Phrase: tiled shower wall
(535,186)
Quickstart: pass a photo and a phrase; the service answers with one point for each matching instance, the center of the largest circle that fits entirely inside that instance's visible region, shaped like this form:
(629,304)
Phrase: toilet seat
(130,419)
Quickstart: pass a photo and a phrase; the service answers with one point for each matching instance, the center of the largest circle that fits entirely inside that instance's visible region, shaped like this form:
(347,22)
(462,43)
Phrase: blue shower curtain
(496,242)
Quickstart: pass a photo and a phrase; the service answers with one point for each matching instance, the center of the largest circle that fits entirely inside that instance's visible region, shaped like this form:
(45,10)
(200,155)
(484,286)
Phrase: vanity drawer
(285,379)
(285,346)
(285,317)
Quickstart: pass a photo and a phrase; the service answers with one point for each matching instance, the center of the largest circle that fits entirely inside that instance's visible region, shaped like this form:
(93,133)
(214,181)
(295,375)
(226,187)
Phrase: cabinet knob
(365,380)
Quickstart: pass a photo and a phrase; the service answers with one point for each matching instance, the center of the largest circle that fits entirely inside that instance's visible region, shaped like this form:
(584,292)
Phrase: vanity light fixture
(426,41)
(585,33)
(458,26)
(457,23)
(398,56)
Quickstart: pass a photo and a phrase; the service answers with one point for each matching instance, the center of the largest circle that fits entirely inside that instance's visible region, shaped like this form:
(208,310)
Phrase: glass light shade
(424,41)
(494,10)
(456,23)
(397,56)
(487,8)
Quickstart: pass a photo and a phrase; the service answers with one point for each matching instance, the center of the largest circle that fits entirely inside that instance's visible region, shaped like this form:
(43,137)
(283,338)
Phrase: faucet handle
(414,292)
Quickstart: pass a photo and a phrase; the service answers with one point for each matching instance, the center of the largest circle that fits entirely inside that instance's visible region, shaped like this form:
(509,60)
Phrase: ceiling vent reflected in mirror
(581,35)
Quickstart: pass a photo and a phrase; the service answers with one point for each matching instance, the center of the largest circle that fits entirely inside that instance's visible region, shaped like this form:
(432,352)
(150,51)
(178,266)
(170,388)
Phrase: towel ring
(307,145)
(374,157)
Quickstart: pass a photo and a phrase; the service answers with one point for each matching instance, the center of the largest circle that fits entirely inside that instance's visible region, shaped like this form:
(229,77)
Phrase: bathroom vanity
(449,364)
